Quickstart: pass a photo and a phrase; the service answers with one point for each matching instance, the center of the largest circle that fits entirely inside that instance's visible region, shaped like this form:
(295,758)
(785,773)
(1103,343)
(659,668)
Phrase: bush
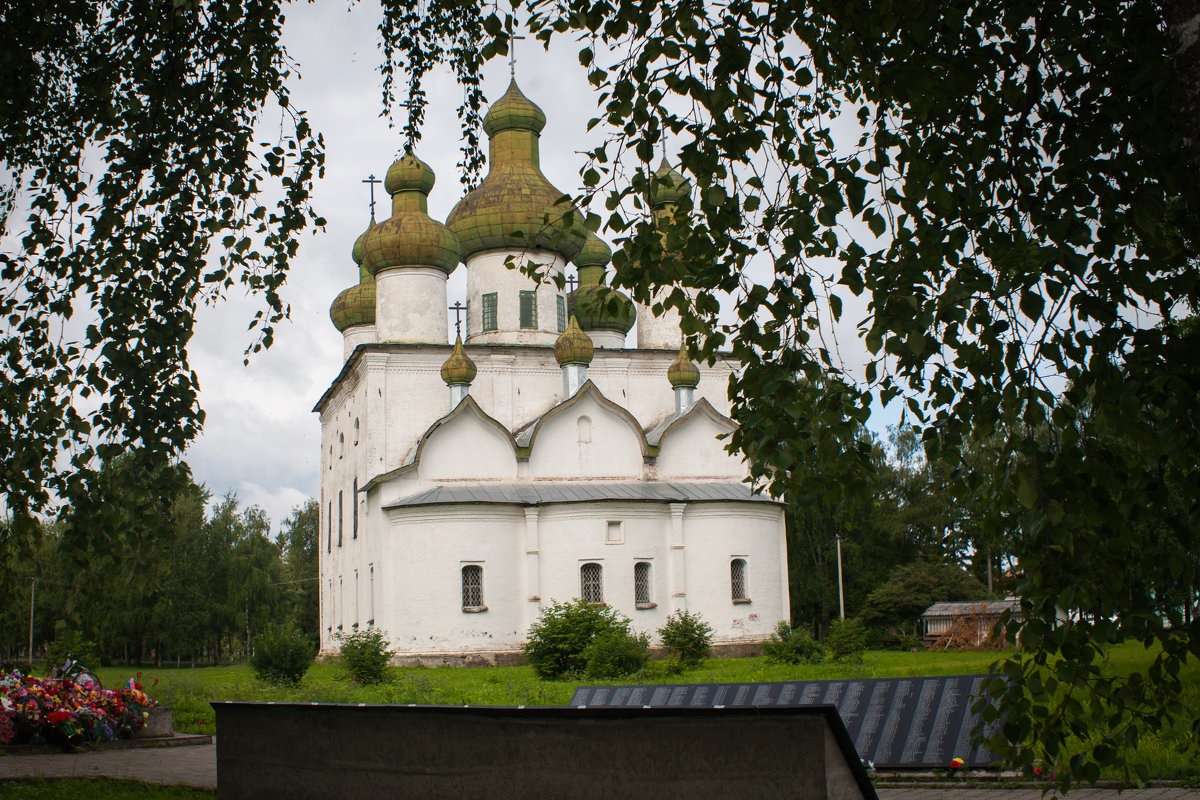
(69,644)
(793,646)
(846,640)
(557,643)
(365,655)
(615,653)
(282,654)
(687,637)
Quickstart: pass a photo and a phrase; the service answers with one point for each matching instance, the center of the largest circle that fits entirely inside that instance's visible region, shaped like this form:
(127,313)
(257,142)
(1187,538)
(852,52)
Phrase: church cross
(573,281)
(512,55)
(458,309)
(372,180)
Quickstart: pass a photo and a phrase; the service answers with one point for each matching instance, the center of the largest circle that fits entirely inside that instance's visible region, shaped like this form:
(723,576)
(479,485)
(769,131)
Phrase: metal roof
(973,607)
(532,494)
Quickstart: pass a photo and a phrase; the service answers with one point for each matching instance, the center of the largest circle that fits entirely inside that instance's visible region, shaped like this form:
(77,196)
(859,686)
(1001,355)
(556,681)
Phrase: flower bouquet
(68,713)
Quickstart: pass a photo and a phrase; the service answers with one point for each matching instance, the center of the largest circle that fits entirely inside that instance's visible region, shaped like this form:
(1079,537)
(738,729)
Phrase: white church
(465,487)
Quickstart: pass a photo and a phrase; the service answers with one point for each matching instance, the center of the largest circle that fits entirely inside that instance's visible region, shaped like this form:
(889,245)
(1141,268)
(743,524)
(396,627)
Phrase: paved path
(196,765)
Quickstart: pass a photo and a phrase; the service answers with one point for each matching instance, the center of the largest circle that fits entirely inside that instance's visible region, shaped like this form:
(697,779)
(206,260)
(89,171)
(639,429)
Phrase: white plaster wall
(691,449)
(715,534)
(410,305)
(487,272)
(355,335)
(421,601)
(586,440)
(468,448)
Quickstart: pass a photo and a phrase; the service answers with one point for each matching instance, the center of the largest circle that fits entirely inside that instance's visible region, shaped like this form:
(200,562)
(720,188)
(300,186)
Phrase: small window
(356,431)
(371,595)
(341,517)
(591,583)
(354,502)
(641,585)
(614,534)
(737,581)
(489,312)
(341,446)
(329,529)
(562,312)
(529,309)
(585,429)
(472,588)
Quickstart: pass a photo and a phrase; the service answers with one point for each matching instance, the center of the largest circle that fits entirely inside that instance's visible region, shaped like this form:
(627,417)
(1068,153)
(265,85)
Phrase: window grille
(489,312)
(562,313)
(529,309)
(737,579)
(354,502)
(641,583)
(472,586)
(591,583)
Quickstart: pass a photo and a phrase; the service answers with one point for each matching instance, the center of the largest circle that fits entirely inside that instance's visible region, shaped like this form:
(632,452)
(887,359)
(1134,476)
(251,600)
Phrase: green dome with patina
(357,252)
(354,306)
(668,186)
(596,306)
(410,237)
(573,346)
(515,207)
(459,368)
(682,373)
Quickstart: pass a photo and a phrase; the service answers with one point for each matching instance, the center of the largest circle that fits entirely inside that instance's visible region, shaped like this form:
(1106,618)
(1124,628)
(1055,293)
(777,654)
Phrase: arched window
(472,588)
(341,445)
(737,581)
(341,517)
(356,431)
(585,429)
(591,583)
(641,584)
(354,502)
(329,529)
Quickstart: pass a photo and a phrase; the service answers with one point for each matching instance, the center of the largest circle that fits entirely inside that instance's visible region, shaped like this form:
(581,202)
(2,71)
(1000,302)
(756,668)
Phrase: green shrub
(846,640)
(282,654)
(365,655)
(615,653)
(687,637)
(793,646)
(69,644)
(557,643)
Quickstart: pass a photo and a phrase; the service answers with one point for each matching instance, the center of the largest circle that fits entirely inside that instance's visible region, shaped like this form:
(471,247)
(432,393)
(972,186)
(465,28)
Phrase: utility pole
(32,596)
(841,596)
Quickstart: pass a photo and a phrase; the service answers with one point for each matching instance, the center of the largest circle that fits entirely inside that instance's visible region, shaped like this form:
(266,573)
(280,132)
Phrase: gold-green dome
(668,186)
(598,307)
(409,173)
(515,206)
(354,306)
(410,237)
(573,346)
(357,252)
(594,253)
(459,368)
(683,373)
(514,111)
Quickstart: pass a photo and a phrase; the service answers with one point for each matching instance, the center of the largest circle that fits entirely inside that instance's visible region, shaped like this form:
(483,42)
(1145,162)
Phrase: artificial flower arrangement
(67,712)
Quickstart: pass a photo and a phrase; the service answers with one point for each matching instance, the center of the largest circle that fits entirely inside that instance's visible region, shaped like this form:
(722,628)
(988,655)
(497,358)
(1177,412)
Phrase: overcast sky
(261,438)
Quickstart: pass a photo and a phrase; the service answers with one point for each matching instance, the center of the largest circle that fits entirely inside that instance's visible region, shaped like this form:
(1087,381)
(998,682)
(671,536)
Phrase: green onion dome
(459,368)
(410,237)
(515,206)
(354,306)
(573,346)
(357,252)
(683,373)
(668,187)
(596,306)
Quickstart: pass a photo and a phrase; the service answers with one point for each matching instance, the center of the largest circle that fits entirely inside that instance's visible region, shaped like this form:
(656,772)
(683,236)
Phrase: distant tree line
(141,569)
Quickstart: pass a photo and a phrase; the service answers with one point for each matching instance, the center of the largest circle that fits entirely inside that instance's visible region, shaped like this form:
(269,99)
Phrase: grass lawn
(97,789)
(188,691)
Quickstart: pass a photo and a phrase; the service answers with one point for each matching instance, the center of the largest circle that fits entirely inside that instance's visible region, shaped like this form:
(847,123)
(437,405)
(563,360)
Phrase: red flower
(58,717)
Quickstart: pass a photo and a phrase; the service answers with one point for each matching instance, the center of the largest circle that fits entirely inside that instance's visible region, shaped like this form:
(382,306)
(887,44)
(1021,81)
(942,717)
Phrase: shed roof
(969,607)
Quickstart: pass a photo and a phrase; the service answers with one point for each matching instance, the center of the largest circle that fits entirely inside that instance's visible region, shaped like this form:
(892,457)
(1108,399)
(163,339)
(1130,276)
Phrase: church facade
(466,487)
